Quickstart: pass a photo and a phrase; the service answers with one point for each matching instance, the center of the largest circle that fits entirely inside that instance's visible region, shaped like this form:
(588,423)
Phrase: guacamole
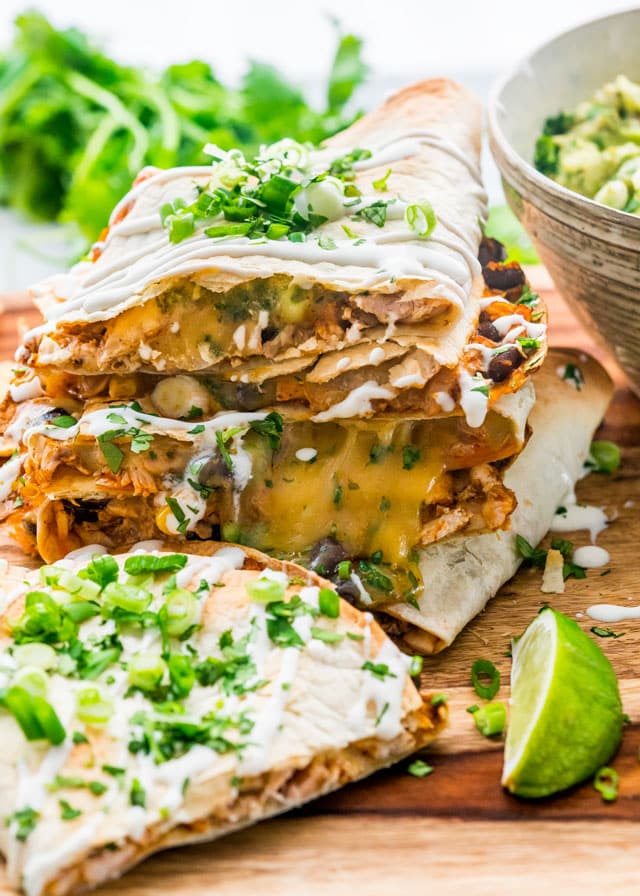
(595,149)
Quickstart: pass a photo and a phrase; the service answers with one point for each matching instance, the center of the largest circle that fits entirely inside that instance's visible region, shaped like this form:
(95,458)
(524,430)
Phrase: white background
(407,38)
(471,40)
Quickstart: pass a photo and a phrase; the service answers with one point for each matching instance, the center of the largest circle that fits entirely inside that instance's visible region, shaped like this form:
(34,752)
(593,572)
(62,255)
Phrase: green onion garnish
(146,671)
(421,219)
(329,603)
(490,719)
(265,590)
(140,565)
(419,769)
(606,783)
(181,612)
(486,669)
(604,457)
(126,597)
(92,708)
(344,569)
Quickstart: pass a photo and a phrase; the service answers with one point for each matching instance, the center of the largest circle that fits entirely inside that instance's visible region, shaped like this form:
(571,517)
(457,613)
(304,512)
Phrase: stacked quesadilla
(161,698)
(313,353)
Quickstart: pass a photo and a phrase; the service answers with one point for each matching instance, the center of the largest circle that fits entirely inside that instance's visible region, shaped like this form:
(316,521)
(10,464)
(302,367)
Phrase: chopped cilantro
(410,457)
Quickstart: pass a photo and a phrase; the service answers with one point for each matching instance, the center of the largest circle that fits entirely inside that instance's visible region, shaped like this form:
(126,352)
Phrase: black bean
(214,472)
(84,511)
(502,365)
(326,554)
(487,329)
(491,250)
(51,414)
(503,276)
(348,590)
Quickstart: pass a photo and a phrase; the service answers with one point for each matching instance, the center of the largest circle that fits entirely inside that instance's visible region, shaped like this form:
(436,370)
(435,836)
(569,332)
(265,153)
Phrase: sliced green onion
(33,679)
(419,769)
(604,457)
(37,718)
(35,654)
(265,590)
(19,703)
(421,219)
(329,603)
(240,228)
(606,783)
(181,612)
(144,564)
(92,707)
(181,674)
(490,719)
(126,597)
(67,581)
(344,569)
(486,669)
(48,720)
(180,226)
(146,671)
(326,635)
(81,610)
(416,666)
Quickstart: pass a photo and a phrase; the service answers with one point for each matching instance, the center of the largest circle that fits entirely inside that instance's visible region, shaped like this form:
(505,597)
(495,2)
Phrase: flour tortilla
(461,575)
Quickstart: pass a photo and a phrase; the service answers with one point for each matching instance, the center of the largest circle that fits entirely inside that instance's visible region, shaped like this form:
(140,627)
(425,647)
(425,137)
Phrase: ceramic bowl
(591,251)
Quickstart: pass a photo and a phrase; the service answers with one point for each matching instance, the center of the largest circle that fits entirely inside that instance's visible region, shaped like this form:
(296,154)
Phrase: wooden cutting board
(456,831)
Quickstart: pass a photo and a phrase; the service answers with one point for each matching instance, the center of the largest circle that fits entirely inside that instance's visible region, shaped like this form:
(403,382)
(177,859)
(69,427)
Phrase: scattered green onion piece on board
(486,669)
(419,769)
(606,783)
(490,719)
(604,457)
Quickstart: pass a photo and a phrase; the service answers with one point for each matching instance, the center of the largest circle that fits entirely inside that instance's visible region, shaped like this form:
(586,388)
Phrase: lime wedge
(566,715)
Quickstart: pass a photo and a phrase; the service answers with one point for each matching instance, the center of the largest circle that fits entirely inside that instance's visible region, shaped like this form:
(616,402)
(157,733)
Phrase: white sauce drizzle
(356,404)
(473,402)
(9,472)
(444,401)
(612,612)
(591,556)
(306,454)
(25,391)
(579,516)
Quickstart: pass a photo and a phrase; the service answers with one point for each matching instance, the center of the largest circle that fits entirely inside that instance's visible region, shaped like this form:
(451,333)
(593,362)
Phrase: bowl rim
(604,213)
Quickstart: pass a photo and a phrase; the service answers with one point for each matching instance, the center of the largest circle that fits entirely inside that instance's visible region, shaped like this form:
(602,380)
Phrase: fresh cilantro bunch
(76,126)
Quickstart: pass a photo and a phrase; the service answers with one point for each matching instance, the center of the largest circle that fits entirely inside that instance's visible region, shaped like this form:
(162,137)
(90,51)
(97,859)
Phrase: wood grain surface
(456,831)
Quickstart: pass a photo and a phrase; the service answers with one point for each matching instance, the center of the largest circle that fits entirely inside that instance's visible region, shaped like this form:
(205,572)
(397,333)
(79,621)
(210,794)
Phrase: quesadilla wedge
(286,256)
(395,372)
(158,698)
(461,575)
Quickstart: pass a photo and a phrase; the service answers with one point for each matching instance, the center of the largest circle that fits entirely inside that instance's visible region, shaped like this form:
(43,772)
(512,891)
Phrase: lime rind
(542,629)
(566,714)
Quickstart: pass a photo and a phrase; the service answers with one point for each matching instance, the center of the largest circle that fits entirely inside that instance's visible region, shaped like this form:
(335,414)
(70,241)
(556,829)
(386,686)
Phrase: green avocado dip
(595,149)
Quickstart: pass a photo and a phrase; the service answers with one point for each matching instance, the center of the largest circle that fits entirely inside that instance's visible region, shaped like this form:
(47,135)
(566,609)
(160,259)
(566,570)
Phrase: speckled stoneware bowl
(592,252)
